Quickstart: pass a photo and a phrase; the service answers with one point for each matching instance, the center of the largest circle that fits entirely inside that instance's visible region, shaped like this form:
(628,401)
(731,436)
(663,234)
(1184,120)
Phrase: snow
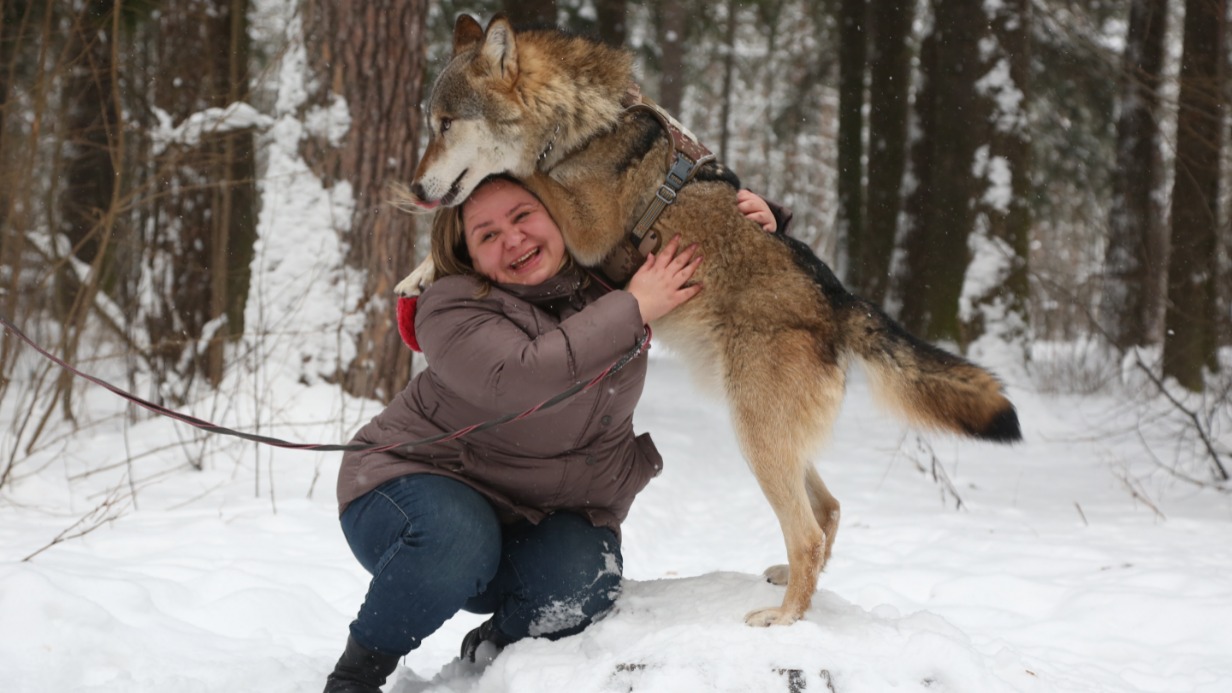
(1052,576)
(211,121)
(996,170)
(304,300)
(142,556)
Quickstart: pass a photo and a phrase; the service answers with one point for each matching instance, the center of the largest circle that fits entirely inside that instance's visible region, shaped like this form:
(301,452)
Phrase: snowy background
(141,556)
(1076,562)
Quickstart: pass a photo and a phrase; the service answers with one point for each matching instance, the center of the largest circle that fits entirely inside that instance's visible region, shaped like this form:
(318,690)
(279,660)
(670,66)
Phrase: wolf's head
(477,122)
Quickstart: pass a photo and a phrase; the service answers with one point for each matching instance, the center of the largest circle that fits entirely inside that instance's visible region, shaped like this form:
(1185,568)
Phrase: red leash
(405,446)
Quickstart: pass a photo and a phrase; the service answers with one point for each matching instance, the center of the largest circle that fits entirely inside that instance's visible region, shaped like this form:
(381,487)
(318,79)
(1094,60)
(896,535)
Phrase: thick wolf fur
(773,327)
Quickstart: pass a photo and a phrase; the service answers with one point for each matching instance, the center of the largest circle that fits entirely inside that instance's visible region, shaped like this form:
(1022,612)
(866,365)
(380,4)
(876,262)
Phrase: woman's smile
(526,260)
(510,236)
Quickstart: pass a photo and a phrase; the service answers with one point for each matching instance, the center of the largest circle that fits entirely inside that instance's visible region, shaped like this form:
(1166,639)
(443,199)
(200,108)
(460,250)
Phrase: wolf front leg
(418,279)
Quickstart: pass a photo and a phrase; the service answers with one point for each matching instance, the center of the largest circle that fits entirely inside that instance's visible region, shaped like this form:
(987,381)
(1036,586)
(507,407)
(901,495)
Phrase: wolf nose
(418,191)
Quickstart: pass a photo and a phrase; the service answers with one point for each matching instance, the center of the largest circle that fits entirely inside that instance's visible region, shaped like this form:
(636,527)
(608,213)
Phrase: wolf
(773,330)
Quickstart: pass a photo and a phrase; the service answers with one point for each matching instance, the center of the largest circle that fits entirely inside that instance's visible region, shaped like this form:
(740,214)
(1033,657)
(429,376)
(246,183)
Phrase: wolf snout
(414,199)
(417,189)
(421,197)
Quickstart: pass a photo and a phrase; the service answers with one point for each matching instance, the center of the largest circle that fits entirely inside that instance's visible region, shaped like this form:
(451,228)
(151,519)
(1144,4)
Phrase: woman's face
(510,236)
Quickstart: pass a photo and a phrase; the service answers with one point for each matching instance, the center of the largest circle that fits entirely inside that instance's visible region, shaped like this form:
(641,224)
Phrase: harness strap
(643,237)
(686,157)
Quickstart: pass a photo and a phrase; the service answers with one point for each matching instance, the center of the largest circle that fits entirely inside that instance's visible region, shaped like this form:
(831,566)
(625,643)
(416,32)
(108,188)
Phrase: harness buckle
(682,170)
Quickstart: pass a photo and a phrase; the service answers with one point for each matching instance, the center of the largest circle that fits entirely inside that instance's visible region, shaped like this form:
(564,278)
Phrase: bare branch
(111,508)
(1220,471)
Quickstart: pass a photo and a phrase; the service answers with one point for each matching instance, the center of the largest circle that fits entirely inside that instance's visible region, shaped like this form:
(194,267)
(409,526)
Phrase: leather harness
(684,159)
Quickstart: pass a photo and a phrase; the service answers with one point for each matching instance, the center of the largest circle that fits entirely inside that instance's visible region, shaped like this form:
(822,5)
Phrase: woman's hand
(755,208)
(659,285)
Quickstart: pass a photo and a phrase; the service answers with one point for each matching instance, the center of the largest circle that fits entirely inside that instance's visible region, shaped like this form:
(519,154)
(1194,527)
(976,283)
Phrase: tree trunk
(1190,322)
(18,30)
(932,277)
(15,21)
(236,241)
(90,160)
(374,58)
(612,21)
(672,30)
(1131,269)
(203,229)
(852,24)
(995,301)
(91,119)
(911,265)
(889,89)
(729,76)
(528,12)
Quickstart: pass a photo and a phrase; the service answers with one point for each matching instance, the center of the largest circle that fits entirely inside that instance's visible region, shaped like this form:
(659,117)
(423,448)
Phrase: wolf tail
(929,387)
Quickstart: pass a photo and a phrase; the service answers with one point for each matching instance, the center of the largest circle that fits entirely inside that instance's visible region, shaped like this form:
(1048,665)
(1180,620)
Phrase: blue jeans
(434,546)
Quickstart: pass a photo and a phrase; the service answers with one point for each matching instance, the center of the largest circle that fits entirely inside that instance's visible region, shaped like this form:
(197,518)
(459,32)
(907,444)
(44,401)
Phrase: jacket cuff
(782,215)
(603,332)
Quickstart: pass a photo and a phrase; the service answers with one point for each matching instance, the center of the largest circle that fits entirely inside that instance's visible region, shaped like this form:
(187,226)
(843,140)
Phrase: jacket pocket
(649,454)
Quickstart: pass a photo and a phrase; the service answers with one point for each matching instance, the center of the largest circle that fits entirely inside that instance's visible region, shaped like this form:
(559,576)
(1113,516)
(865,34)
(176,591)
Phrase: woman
(522,520)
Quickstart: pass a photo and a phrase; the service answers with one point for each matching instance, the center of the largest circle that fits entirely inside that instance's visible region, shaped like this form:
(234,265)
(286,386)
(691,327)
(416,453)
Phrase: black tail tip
(1003,428)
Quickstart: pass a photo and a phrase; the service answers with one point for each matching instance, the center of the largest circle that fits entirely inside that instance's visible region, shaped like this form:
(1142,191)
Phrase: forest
(1015,179)
(195,209)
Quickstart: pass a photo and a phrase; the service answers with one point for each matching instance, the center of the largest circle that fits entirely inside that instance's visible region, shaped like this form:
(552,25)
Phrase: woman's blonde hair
(449,252)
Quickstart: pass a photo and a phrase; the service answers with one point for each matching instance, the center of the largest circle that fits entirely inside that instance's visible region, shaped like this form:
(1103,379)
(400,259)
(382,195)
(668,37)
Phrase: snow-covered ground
(162,559)
(1074,563)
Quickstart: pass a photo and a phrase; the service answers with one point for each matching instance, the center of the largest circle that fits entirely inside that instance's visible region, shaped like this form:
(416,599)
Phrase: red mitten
(406,321)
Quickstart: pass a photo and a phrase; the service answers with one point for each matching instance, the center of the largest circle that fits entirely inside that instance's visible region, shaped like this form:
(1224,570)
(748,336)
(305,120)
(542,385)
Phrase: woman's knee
(576,573)
(444,521)
(568,543)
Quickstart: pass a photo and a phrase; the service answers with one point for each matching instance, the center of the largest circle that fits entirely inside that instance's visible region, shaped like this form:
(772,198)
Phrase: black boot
(486,632)
(360,670)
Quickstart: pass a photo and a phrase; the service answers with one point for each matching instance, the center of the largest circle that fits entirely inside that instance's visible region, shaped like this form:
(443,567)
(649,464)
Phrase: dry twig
(111,508)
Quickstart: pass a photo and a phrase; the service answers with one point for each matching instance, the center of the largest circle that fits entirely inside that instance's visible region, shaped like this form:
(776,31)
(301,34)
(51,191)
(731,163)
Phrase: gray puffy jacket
(505,353)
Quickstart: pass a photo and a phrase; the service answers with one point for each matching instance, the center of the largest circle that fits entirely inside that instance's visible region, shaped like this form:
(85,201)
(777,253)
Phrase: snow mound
(688,634)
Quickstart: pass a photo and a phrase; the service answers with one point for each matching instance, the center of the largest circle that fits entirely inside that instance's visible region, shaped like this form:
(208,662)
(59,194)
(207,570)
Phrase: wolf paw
(773,616)
(417,280)
(777,574)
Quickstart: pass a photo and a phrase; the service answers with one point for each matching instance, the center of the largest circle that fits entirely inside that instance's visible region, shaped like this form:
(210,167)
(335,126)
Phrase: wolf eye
(445,123)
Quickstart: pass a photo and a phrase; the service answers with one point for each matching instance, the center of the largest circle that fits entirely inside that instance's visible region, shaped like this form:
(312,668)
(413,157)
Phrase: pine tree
(888,97)
(1133,259)
(995,299)
(375,58)
(1190,322)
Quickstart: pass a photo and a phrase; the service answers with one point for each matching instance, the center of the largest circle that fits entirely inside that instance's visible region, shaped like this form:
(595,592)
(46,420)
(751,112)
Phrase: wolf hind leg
(778,574)
(805,546)
(782,407)
(826,511)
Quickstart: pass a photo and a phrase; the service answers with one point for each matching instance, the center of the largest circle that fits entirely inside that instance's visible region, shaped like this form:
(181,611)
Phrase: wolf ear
(466,33)
(500,48)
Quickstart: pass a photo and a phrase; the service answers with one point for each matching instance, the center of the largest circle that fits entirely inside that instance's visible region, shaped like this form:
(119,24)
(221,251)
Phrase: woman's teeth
(516,264)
